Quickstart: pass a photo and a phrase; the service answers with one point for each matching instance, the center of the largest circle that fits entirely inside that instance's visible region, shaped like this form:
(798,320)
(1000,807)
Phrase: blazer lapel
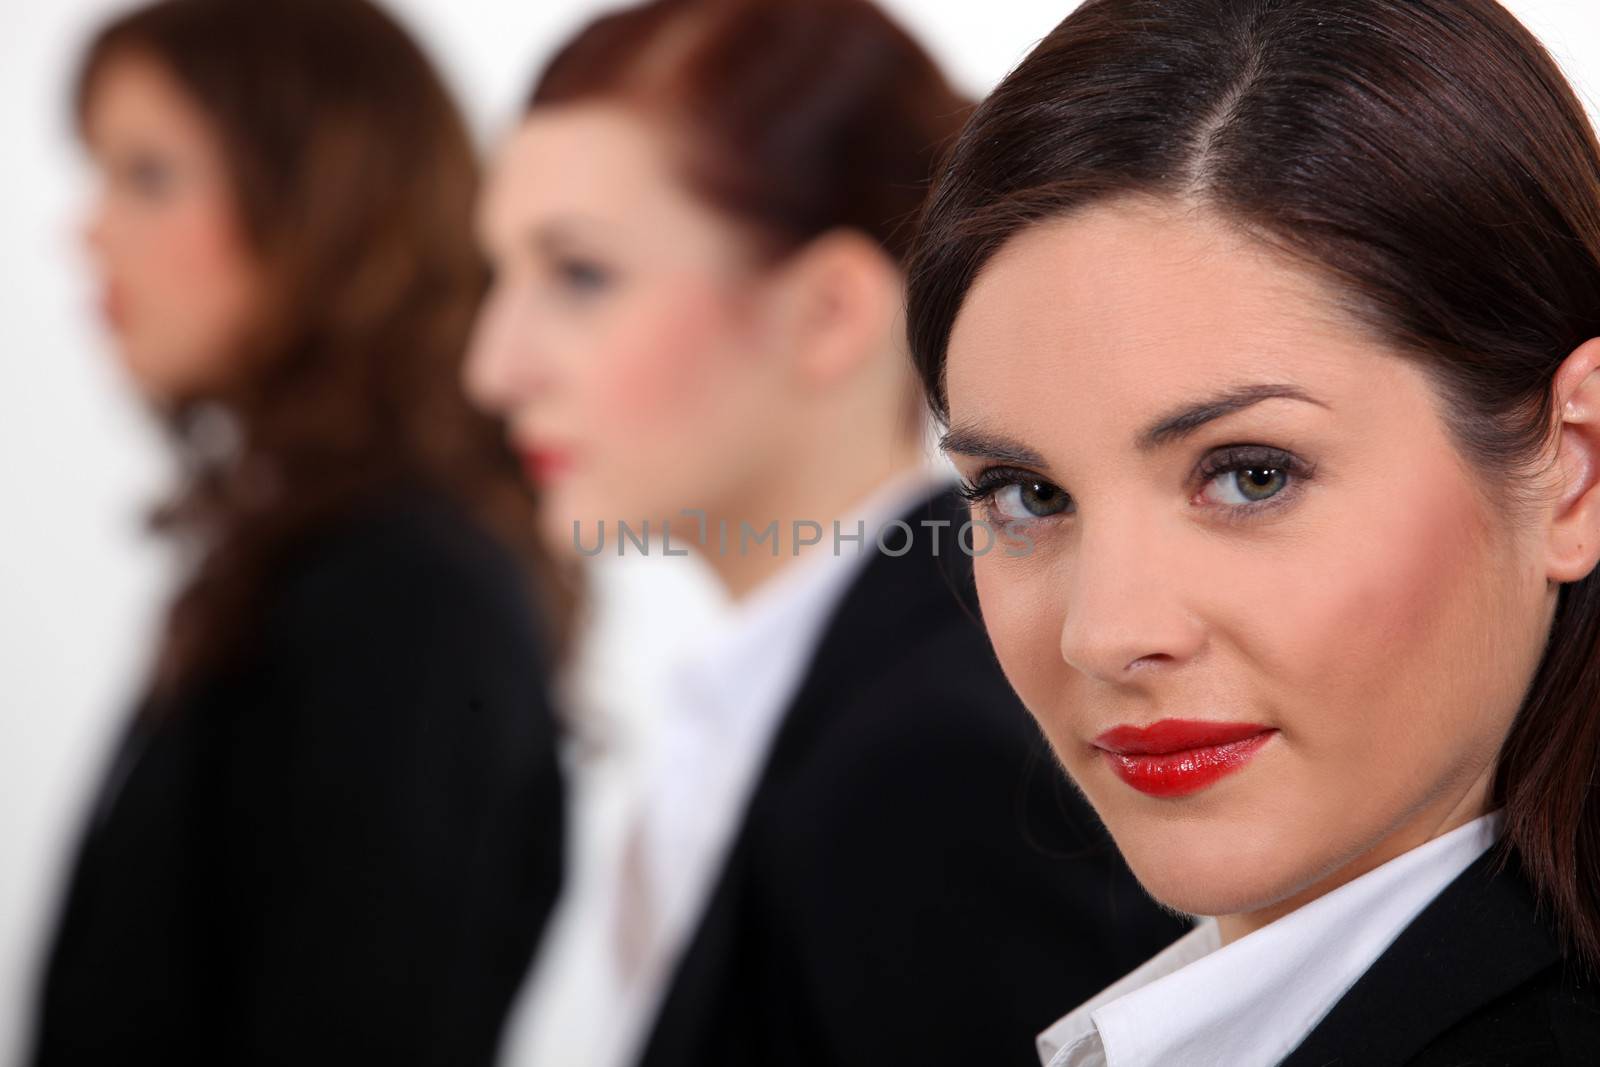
(704,1019)
(1479,939)
(886,614)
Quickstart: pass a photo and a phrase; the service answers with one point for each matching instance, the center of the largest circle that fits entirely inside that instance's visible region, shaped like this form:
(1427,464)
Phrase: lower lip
(111,309)
(545,467)
(1177,774)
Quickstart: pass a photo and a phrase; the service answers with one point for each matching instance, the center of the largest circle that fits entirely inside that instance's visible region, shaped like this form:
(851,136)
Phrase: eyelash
(1231,459)
(147,176)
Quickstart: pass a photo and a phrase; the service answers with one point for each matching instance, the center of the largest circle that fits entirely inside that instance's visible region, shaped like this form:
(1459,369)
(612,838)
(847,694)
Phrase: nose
(1125,610)
(502,371)
(92,227)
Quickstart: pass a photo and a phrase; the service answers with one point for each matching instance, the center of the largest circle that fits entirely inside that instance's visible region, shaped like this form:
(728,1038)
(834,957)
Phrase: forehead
(597,161)
(1141,301)
(135,96)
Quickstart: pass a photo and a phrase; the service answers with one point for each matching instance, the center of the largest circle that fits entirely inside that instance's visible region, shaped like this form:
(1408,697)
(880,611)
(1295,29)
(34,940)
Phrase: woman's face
(625,339)
(178,281)
(1242,511)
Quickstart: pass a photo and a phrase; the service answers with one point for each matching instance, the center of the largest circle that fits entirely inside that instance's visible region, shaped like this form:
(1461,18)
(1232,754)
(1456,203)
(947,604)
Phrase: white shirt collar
(1256,999)
(755,653)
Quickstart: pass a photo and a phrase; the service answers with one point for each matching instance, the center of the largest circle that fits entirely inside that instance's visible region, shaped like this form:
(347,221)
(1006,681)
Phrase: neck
(819,493)
(1435,821)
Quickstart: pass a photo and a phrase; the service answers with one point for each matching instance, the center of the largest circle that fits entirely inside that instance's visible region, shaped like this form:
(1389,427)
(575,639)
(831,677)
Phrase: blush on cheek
(193,287)
(671,360)
(671,390)
(208,255)
(1386,629)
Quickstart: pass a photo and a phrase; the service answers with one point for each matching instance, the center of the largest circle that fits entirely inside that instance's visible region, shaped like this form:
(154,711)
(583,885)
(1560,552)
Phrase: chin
(143,372)
(1207,865)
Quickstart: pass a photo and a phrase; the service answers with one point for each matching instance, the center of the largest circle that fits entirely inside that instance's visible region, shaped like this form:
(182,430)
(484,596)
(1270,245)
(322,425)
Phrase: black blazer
(914,882)
(342,850)
(1476,979)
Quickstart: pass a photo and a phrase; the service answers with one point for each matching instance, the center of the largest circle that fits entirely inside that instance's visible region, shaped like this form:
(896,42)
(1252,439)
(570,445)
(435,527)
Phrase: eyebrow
(1167,430)
(970,441)
(566,228)
(1186,420)
(545,237)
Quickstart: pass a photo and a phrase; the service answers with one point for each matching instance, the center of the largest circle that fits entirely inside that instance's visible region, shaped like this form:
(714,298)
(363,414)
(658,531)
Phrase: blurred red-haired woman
(698,230)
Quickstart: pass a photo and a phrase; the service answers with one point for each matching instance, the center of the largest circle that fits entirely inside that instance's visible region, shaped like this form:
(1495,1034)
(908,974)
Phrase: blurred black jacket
(914,882)
(344,849)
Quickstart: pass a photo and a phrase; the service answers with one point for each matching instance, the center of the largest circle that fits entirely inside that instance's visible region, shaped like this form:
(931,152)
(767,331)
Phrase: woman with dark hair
(332,829)
(844,846)
(1276,325)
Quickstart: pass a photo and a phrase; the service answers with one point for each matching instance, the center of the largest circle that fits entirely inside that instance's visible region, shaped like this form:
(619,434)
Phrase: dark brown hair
(798,116)
(1425,156)
(355,177)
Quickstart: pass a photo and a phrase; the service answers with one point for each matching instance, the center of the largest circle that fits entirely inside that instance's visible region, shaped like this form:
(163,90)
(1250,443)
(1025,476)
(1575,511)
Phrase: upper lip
(1174,735)
(541,448)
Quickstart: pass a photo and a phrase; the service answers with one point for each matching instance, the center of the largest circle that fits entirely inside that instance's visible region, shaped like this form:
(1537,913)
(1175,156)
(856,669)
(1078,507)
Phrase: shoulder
(395,560)
(1551,1019)
(1477,976)
(904,715)
(399,622)
(930,697)
(920,759)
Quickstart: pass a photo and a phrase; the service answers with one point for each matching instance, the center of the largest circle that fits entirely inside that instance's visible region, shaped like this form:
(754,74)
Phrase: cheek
(681,383)
(188,283)
(672,364)
(661,398)
(1384,644)
(204,266)
(1023,614)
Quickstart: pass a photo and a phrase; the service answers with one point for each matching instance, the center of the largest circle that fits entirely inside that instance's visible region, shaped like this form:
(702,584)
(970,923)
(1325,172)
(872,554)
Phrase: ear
(842,293)
(1573,545)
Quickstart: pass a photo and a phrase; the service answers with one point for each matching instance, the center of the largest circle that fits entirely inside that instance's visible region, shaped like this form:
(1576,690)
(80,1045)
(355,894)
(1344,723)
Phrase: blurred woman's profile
(332,828)
(698,230)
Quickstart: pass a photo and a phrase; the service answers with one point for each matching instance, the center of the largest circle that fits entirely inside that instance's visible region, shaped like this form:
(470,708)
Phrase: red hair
(797,116)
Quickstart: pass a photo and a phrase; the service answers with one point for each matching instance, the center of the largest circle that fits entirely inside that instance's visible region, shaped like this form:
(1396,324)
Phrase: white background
(80,587)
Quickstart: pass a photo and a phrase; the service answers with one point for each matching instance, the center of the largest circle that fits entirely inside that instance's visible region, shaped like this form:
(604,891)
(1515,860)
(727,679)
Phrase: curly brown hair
(355,177)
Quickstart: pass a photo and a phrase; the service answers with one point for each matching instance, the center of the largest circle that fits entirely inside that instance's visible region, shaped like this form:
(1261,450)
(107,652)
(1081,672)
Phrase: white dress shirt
(1254,1000)
(684,764)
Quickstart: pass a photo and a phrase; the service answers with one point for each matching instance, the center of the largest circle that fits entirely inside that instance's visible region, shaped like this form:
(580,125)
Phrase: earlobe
(1573,546)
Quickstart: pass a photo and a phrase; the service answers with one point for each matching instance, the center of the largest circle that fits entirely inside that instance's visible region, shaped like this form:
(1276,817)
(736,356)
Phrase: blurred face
(625,340)
(177,279)
(1269,623)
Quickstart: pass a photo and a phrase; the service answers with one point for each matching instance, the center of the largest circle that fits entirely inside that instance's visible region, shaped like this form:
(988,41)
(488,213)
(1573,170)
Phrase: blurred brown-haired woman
(332,830)
(698,231)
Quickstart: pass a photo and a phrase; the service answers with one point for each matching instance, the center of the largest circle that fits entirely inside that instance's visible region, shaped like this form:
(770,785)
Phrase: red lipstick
(544,465)
(1176,757)
(111,307)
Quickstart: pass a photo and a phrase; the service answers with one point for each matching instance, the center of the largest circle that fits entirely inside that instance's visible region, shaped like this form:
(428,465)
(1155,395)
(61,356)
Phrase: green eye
(1016,496)
(1245,480)
(1260,484)
(1031,500)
